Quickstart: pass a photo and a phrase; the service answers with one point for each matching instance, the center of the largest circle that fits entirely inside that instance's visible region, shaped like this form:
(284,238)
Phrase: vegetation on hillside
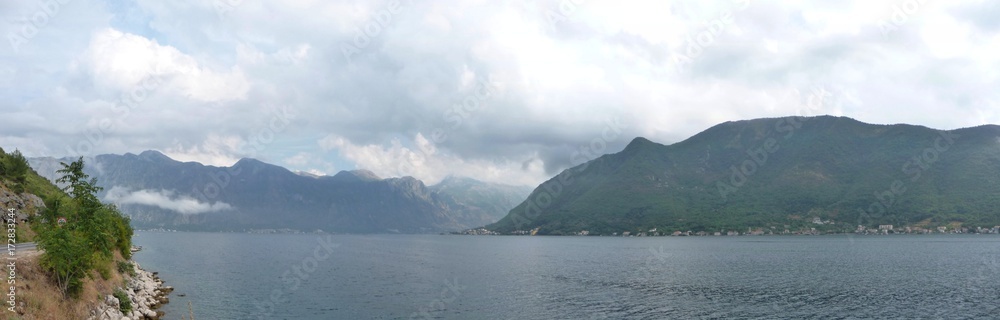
(783,173)
(14,167)
(79,236)
(83,237)
(19,177)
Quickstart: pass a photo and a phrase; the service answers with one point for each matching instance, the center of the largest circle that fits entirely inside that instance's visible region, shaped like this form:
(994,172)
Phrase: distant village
(885,229)
(254,231)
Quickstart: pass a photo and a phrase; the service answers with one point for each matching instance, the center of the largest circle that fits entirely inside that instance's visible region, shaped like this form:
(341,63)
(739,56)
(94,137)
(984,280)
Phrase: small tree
(3,158)
(15,167)
(67,256)
(51,213)
(121,228)
(87,239)
(82,190)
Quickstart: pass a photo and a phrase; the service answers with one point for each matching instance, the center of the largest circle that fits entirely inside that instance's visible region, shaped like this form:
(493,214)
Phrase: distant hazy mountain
(777,173)
(160,192)
(495,199)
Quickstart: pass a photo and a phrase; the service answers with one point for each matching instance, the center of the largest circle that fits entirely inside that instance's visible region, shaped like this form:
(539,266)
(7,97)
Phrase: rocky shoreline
(146,292)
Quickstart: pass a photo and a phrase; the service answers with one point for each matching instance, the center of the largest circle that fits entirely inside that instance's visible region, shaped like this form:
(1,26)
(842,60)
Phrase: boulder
(11,200)
(33,200)
(111,314)
(21,202)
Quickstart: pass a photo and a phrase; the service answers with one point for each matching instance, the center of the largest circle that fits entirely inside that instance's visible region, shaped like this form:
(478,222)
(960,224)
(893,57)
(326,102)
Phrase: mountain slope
(160,192)
(777,173)
(493,198)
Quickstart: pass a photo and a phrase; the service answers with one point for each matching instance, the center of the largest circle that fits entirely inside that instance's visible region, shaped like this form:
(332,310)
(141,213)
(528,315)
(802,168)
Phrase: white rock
(111,314)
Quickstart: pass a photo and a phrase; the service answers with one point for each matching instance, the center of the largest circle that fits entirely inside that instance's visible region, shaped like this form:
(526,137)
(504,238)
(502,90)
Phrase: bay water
(319,276)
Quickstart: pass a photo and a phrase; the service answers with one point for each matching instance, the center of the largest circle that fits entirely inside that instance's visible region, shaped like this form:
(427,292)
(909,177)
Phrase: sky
(503,91)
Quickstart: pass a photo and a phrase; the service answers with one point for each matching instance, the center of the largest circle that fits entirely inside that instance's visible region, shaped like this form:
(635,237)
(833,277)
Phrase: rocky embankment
(22,203)
(146,292)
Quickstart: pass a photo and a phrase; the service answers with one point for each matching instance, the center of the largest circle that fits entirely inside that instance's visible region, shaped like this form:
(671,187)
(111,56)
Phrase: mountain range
(825,172)
(159,192)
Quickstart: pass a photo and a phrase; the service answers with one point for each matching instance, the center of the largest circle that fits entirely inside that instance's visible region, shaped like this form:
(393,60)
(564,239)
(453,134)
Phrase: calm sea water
(239,276)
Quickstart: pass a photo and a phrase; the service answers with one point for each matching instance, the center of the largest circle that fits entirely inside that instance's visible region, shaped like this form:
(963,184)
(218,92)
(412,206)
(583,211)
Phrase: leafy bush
(67,256)
(125,267)
(104,270)
(91,232)
(124,304)
(14,166)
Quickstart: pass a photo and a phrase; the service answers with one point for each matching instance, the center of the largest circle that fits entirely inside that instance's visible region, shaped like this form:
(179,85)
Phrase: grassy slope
(42,299)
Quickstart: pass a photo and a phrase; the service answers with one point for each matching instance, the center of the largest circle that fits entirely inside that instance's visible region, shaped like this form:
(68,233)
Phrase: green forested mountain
(780,173)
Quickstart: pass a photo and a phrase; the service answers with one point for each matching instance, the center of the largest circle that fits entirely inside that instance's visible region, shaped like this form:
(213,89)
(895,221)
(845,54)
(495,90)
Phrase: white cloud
(164,199)
(123,60)
(557,83)
(299,159)
(429,164)
(309,162)
(317,172)
(215,150)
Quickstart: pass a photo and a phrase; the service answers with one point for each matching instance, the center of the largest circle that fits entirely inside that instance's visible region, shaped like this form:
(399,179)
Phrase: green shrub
(18,188)
(124,304)
(88,237)
(104,270)
(125,267)
(67,257)
(15,166)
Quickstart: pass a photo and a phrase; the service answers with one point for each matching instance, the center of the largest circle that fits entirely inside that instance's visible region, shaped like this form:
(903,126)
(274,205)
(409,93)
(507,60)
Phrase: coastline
(146,293)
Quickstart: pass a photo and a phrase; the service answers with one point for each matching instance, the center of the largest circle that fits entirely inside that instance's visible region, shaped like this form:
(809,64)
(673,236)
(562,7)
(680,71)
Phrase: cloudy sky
(505,91)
